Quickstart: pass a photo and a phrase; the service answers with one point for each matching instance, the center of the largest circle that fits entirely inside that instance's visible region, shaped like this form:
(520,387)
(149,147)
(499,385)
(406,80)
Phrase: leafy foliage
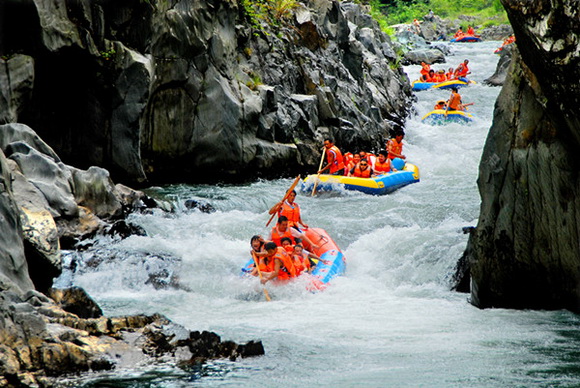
(404,11)
(271,12)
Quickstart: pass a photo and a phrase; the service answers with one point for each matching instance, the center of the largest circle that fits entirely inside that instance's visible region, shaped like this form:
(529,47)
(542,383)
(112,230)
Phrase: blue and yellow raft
(457,83)
(379,185)
(438,117)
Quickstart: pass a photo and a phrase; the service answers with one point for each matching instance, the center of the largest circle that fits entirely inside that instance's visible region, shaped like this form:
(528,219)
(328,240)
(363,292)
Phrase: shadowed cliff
(525,251)
(187,90)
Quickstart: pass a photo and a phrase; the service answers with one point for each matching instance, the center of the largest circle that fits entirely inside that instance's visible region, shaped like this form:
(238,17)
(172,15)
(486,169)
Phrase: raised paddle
(285,196)
(260,275)
(318,176)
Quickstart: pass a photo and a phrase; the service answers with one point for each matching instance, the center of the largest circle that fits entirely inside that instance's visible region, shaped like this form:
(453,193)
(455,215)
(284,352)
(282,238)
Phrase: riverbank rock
(524,250)
(41,342)
(503,65)
(496,32)
(187,90)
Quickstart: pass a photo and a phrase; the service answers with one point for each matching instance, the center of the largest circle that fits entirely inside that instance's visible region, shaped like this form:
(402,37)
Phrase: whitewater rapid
(391,321)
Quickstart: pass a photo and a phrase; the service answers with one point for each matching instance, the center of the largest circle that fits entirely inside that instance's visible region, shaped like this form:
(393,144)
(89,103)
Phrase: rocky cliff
(525,250)
(187,90)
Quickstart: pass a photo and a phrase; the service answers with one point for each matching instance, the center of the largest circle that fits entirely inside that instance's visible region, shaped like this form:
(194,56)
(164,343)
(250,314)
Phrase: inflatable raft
(466,38)
(332,261)
(458,83)
(437,117)
(379,185)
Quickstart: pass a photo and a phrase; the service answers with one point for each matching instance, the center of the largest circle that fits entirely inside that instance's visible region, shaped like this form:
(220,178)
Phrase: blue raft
(457,83)
(379,185)
(332,261)
(437,117)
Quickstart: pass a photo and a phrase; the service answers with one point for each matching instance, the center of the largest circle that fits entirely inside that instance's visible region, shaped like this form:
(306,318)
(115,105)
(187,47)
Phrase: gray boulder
(503,66)
(430,56)
(13,265)
(52,178)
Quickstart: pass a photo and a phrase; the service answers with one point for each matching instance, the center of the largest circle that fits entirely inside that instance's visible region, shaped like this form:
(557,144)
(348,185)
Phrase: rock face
(503,65)
(524,250)
(188,90)
(40,341)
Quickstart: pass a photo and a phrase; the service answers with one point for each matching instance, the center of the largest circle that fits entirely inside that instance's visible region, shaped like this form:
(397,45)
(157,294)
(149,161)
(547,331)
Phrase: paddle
(285,196)
(260,275)
(318,176)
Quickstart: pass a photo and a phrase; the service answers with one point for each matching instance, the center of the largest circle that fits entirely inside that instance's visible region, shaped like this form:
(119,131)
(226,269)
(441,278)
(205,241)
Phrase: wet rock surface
(187,90)
(524,250)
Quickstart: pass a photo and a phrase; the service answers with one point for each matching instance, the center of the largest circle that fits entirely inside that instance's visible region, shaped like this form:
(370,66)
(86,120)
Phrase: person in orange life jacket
(368,156)
(454,102)
(450,74)
(257,244)
(395,146)
(383,163)
(441,104)
(274,263)
(431,76)
(459,33)
(282,230)
(290,210)
(355,160)
(334,162)
(306,259)
(425,69)
(470,31)
(462,70)
(363,170)
(287,262)
(440,76)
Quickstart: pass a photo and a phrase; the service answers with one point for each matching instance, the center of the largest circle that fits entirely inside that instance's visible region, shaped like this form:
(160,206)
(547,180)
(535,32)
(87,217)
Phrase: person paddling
(334,162)
(290,210)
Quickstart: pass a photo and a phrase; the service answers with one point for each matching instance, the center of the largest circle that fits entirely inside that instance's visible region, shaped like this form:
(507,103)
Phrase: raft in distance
(457,83)
(379,185)
(466,39)
(438,117)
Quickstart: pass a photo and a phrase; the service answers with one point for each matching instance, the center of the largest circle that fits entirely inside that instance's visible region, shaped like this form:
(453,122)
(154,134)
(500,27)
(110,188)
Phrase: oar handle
(260,274)
(319,167)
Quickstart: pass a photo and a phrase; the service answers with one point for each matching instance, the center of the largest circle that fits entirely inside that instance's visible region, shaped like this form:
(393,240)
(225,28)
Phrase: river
(391,321)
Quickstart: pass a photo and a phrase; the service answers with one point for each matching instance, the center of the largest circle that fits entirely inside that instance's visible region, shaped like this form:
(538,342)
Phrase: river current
(390,321)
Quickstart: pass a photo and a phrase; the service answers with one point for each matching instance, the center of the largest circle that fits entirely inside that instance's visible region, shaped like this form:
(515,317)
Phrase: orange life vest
(278,236)
(287,269)
(454,101)
(442,77)
(338,163)
(462,70)
(362,173)
(425,68)
(292,212)
(394,147)
(449,75)
(301,263)
(382,168)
